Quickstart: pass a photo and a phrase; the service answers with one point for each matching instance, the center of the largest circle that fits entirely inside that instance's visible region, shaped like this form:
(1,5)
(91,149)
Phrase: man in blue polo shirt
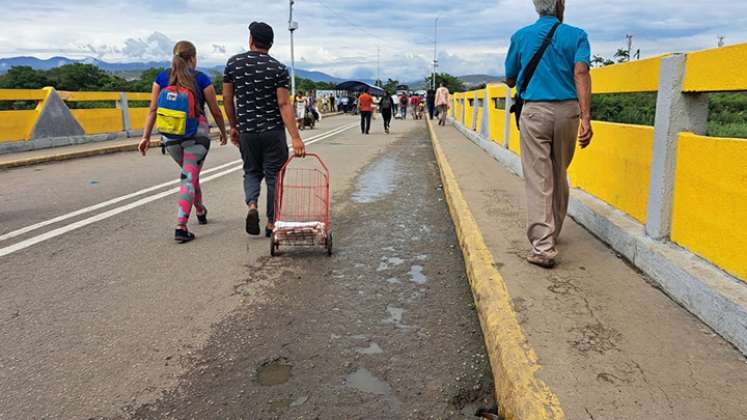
(557,98)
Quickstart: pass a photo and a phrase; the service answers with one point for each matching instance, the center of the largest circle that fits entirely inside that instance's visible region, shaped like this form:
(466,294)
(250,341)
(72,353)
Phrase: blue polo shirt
(553,80)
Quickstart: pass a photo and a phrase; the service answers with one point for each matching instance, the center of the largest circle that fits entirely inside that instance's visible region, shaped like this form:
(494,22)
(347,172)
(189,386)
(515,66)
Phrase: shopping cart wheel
(329,244)
(274,246)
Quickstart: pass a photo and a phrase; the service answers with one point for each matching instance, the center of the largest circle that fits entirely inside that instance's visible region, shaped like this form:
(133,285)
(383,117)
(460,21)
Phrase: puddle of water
(373,348)
(275,372)
(376,182)
(299,402)
(416,274)
(386,263)
(280,404)
(363,380)
(395,316)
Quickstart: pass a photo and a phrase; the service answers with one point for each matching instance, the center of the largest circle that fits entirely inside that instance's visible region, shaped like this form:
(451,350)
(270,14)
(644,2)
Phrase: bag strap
(532,67)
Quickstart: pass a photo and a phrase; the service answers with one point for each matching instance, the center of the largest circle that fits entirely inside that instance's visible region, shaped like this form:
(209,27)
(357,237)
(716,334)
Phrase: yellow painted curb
(519,393)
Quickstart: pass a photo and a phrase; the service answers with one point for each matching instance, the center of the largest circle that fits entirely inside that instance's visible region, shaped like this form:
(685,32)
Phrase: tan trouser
(548,140)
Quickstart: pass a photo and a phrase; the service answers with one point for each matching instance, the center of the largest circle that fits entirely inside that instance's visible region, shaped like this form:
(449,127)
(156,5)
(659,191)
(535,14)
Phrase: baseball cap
(262,32)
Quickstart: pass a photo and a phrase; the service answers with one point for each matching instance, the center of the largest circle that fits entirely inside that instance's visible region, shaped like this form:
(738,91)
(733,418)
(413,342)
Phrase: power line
(346,20)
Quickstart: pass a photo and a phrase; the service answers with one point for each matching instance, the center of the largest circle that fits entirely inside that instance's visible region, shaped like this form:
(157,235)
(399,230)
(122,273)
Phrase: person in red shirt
(403,103)
(365,106)
(414,103)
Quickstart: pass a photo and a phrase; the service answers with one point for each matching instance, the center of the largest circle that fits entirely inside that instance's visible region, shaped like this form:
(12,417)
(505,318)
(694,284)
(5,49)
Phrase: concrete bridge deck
(103,316)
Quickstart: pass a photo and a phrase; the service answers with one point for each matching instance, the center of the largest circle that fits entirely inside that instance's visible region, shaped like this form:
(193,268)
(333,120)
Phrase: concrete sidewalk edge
(715,297)
(104,150)
(520,394)
(58,157)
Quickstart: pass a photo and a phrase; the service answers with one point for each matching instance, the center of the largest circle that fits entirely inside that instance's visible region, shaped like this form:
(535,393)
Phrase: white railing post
(507,122)
(486,107)
(475,107)
(675,112)
(124,106)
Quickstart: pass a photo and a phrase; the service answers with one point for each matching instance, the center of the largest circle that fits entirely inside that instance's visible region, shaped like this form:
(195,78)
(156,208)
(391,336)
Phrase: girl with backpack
(177,107)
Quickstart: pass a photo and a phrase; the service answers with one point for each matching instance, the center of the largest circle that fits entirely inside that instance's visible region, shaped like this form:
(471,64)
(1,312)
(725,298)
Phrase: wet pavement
(384,329)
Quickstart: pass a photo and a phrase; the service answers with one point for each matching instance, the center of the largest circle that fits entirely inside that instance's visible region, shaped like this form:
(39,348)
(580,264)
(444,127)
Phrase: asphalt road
(102,315)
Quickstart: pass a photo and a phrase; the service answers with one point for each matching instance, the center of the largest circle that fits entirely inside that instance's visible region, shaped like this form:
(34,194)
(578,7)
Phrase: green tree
(84,77)
(622,56)
(454,83)
(23,77)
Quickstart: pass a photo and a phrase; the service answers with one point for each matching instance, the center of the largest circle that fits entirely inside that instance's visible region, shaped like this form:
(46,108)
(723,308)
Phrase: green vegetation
(305,85)
(727,111)
(727,115)
(452,82)
(87,77)
(628,108)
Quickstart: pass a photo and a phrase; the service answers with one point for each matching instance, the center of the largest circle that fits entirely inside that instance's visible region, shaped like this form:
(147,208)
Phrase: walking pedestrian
(386,106)
(365,106)
(414,103)
(442,103)
(261,113)
(404,102)
(549,62)
(299,107)
(430,100)
(188,151)
(395,104)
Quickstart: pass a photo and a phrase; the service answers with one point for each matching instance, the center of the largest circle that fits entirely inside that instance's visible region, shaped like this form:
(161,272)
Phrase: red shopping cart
(302,205)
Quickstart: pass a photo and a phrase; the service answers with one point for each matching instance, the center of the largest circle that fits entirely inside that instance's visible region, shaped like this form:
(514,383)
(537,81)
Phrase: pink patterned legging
(190,157)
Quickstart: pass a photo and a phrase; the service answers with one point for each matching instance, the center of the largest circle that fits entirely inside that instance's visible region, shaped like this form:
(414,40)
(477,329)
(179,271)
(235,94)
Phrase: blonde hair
(182,73)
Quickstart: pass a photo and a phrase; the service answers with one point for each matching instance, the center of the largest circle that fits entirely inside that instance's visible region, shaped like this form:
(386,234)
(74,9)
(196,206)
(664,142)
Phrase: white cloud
(341,37)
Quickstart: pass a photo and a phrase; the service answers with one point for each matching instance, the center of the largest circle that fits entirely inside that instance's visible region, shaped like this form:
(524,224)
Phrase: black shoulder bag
(531,68)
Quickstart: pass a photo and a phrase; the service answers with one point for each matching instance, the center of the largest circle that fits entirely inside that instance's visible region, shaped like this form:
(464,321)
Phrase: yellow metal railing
(710,188)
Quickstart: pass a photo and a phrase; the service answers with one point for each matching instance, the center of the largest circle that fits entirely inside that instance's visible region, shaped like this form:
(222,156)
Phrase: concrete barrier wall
(617,168)
(19,127)
(670,179)
(710,200)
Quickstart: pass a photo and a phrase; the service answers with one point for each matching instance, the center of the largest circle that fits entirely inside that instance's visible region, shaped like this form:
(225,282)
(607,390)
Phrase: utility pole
(292,26)
(630,45)
(378,64)
(721,42)
(435,53)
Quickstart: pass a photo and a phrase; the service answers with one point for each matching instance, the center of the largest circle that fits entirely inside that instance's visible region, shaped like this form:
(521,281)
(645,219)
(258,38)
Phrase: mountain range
(132,70)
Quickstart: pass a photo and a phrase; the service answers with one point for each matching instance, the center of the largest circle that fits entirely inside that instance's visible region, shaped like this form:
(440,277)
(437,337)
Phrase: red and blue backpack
(176,117)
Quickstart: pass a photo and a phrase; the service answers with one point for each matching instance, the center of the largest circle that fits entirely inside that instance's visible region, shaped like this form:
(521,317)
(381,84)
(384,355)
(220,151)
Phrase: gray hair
(546,7)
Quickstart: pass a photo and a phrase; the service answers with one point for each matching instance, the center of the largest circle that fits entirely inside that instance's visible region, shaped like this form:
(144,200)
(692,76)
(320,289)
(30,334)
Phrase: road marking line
(31,228)
(113,212)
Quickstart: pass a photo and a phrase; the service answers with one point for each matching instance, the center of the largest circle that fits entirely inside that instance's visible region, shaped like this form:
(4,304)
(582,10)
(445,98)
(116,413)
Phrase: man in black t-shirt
(257,103)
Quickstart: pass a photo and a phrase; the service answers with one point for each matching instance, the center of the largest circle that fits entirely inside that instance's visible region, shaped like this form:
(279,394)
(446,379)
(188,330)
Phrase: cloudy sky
(341,37)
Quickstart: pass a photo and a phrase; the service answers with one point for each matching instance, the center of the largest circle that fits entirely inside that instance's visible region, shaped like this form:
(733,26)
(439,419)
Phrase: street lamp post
(292,26)
(435,53)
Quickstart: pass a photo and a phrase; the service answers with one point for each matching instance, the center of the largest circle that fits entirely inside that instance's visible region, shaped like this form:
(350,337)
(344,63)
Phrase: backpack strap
(532,66)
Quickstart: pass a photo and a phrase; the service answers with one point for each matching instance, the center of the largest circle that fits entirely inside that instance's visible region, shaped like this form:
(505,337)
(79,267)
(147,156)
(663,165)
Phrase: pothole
(275,372)
(363,380)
